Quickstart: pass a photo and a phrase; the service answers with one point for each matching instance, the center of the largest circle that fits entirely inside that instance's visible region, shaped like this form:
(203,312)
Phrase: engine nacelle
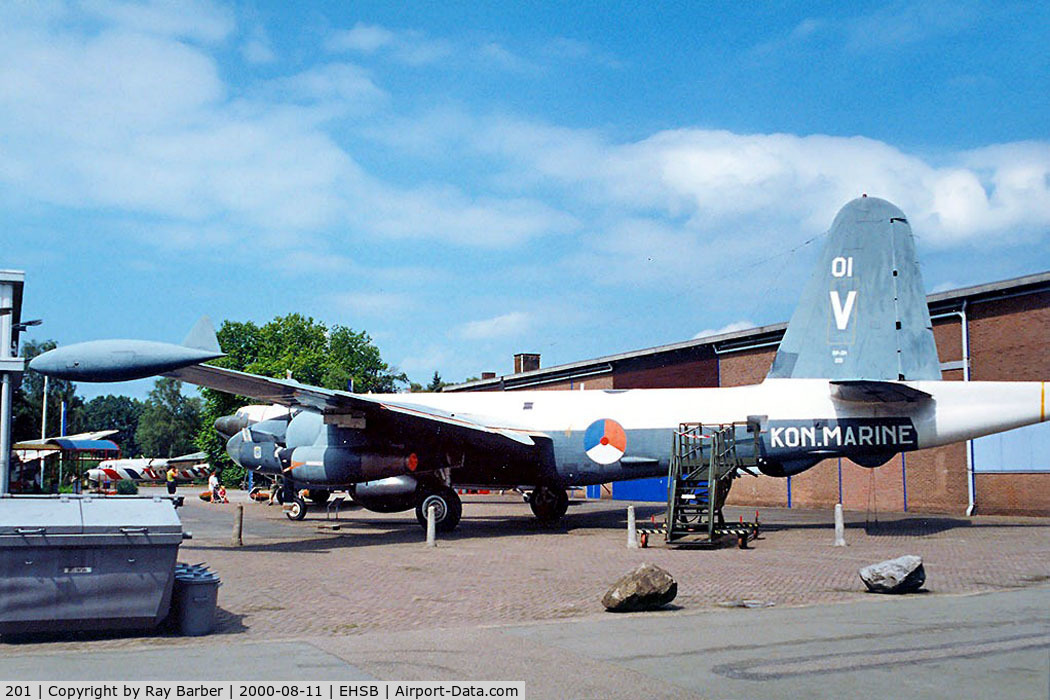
(323,464)
(258,456)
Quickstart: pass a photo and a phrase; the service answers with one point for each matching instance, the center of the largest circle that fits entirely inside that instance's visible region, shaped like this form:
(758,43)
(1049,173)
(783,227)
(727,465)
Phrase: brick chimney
(488,375)
(526,362)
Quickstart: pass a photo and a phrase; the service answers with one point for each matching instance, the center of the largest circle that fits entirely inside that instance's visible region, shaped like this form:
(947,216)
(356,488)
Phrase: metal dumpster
(71,563)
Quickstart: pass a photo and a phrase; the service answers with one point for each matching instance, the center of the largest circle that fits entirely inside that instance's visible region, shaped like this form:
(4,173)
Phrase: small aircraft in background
(856,375)
(189,467)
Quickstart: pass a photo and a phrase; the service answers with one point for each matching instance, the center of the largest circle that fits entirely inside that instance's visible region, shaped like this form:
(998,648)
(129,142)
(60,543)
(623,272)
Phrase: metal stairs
(704,462)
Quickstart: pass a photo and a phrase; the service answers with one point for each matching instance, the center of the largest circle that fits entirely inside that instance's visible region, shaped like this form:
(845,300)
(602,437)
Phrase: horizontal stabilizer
(870,391)
(202,337)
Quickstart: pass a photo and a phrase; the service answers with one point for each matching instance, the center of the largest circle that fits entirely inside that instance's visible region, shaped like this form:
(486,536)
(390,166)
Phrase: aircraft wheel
(296,509)
(319,497)
(549,503)
(449,508)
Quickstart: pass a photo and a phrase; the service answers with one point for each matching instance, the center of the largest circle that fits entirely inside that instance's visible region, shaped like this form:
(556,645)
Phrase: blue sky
(469,180)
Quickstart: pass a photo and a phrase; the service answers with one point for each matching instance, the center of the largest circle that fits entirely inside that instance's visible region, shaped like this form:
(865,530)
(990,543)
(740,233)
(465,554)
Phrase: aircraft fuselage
(801,423)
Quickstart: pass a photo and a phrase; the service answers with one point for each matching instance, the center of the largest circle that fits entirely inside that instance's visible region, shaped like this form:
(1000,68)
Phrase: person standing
(171,480)
(213,486)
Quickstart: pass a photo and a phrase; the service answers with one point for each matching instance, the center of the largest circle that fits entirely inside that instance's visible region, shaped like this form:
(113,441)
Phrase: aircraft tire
(296,509)
(319,497)
(549,503)
(449,508)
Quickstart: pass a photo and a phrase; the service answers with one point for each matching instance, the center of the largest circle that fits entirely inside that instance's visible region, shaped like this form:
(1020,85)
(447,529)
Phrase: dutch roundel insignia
(605,441)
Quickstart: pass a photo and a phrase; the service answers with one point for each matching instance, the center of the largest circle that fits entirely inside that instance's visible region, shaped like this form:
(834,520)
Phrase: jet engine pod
(391,495)
(257,456)
(330,465)
(228,426)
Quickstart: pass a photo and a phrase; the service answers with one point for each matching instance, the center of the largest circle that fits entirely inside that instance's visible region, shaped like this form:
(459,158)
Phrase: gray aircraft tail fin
(202,336)
(863,314)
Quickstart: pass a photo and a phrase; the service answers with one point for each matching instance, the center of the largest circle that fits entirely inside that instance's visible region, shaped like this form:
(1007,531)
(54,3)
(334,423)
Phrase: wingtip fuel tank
(122,360)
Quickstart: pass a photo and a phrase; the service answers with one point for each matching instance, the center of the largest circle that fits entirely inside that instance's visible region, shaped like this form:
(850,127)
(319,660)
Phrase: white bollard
(840,528)
(632,529)
(432,526)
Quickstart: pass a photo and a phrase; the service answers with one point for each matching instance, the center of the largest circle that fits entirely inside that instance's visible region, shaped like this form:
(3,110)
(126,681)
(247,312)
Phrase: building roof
(762,336)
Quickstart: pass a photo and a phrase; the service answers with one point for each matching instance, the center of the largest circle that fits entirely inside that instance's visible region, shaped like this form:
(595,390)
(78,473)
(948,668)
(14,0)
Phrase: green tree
(169,420)
(436,384)
(308,350)
(27,401)
(120,413)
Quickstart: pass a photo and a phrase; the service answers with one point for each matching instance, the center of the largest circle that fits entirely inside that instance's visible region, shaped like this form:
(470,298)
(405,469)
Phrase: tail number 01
(842,267)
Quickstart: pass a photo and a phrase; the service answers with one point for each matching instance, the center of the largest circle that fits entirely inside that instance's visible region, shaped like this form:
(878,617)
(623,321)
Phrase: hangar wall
(1008,329)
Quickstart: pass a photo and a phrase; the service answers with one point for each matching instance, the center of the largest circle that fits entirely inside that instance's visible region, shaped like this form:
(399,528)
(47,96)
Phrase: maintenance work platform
(704,462)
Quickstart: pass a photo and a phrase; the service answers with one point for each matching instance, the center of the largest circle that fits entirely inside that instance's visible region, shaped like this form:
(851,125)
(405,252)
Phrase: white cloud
(710,179)
(256,48)
(945,287)
(499,56)
(366,38)
(342,84)
(425,363)
(446,213)
(198,20)
(144,124)
(313,262)
(373,303)
(509,324)
(409,46)
(903,24)
(728,328)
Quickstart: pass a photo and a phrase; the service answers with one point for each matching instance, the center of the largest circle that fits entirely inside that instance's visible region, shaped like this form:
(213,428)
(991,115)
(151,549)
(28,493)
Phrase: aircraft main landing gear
(296,508)
(294,505)
(448,508)
(549,503)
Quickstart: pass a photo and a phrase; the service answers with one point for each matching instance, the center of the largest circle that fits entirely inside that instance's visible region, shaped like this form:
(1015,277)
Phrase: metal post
(5,435)
(238,526)
(11,282)
(632,529)
(43,433)
(840,527)
(431,526)
(43,413)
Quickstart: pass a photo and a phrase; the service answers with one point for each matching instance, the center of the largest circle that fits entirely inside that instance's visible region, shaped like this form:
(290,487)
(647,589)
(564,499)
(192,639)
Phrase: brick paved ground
(501,566)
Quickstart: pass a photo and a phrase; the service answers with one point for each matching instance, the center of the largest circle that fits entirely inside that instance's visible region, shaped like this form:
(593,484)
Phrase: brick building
(997,331)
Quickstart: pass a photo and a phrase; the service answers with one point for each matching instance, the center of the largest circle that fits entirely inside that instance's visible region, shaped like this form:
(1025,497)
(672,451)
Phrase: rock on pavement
(646,588)
(901,575)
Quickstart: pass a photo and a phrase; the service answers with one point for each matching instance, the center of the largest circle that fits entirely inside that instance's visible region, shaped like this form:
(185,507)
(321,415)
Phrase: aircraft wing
(45,442)
(417,419)
(866,390)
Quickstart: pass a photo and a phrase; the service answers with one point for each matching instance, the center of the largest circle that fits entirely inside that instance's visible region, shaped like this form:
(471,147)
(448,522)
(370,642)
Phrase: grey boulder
(646,588)
(901,575)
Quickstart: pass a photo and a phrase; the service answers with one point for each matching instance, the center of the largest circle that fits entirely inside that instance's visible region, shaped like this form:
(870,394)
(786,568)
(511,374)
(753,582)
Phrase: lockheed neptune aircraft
(856,376)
